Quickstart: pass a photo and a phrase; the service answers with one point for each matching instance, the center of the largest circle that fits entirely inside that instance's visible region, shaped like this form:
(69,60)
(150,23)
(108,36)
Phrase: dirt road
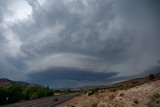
(44,102)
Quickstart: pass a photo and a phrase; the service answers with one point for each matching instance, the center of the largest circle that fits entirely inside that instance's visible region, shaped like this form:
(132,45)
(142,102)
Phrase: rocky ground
(145,95)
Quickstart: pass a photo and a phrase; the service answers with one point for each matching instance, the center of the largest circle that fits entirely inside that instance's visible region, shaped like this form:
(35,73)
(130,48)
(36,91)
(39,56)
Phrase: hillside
(16,91)
(140,92)
(4,82)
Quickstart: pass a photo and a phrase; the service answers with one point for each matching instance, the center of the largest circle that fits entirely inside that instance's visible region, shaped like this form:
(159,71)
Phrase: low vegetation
(14,94)
(135,101)
(93,91)
(135,92)
(154,100)
(126,84)
(154,97)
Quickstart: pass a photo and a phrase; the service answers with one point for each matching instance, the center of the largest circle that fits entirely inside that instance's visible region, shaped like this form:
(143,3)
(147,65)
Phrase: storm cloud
(82,38)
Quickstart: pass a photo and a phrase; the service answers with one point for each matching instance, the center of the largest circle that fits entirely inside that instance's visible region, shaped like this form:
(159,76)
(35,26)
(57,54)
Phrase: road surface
(45,102)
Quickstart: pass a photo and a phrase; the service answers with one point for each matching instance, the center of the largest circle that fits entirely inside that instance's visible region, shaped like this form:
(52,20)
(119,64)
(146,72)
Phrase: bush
(90,93)
(121,94)
(36,92)
(14,94)
(34,96)
(10,95)
(93,91)
(3,96)
(28,92)
(66,91)
(154,97)
(152,77)
(135,101)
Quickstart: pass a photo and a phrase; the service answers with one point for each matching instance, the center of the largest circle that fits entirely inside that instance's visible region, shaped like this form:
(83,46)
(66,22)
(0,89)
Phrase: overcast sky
(73,43)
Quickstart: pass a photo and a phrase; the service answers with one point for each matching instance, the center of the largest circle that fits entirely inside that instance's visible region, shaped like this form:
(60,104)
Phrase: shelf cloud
(71,40)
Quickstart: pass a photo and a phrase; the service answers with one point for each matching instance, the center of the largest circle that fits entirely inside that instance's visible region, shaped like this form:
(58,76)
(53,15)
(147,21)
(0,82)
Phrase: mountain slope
(4,82)
(140,92)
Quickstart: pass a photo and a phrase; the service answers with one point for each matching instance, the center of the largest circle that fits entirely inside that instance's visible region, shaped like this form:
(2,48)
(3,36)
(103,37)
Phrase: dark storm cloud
(3,40)
(95,37)
(16,62)
(74,28)
(3,9)
(152,70)
(68,74)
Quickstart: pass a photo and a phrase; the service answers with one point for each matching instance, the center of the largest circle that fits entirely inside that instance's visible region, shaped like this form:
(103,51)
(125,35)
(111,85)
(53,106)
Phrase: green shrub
(66,91)
(10,95)
(14,94)
(28,92)
(154,96)
(34,96)
(3,96)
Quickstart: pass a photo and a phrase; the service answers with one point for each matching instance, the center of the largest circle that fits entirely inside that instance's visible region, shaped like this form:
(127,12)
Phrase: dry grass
(154,97)
(132,93)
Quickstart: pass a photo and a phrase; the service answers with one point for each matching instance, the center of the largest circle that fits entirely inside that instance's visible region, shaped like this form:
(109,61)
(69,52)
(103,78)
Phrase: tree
(3,96)
(152,77)
(14,94)
(47,87)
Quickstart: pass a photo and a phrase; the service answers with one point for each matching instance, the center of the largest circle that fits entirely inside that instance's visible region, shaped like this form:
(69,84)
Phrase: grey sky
(118,38)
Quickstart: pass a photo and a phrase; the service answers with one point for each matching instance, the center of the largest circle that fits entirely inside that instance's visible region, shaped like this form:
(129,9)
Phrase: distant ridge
(4,82)
(128,83)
